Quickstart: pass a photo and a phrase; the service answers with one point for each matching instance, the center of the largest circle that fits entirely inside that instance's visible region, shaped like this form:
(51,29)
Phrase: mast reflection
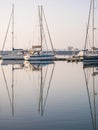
(42,69)
(90,73)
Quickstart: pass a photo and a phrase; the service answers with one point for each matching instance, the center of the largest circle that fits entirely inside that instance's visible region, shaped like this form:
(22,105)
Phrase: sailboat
(14,54)
(36,52)
(91,56)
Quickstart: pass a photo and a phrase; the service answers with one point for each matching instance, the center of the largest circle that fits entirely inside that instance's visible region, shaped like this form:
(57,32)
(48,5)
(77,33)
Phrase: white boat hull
(40,57)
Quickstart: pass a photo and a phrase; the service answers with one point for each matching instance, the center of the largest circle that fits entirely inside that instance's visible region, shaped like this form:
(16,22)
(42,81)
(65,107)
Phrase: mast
(87,29)
(11,18)
(12,27)
(92,5)
(41,18)
(93,24)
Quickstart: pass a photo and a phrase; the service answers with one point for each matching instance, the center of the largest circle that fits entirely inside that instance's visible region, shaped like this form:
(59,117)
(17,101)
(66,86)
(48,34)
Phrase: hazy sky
(66,19)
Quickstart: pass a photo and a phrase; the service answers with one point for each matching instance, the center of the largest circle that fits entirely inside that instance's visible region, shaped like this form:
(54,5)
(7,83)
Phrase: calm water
(60,96)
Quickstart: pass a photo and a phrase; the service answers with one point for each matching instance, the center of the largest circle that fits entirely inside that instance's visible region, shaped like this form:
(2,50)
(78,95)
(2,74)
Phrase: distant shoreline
(57,52)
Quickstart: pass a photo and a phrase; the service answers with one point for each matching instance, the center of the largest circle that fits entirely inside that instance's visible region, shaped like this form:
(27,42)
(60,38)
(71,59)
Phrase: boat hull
(39,57)
(90,60)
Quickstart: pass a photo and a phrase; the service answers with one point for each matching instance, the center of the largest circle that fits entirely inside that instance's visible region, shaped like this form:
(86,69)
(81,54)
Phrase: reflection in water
(30,66)
(42,83)
(40,98)
(11,98)
(91,72)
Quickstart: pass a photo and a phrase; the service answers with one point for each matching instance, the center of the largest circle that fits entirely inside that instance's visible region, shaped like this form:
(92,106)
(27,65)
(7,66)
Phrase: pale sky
(67,20)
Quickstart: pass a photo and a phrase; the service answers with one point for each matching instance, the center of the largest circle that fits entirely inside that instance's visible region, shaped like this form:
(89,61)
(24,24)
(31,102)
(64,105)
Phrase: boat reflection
(90,73)
(85,65)
(42,68)
(36,65)
(42,95)
(11,97)
(33,67)
(12,62)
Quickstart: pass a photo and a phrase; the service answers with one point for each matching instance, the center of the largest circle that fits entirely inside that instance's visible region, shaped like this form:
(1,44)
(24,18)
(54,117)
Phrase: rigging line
(45,39)
(7,30)
(42,32)
(48,31)
(6,85)
(88,25)
(88,74)
(89,41)
(89,98)
(40,23)
(48,87)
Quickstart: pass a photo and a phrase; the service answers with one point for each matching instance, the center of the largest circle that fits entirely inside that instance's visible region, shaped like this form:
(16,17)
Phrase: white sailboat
(91,56)
(14,54)
(37,53)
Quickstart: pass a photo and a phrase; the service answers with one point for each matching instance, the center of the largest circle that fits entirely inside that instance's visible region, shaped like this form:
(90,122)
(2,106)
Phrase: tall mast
(87,29)
(11,18)
(93,24)
(12,27)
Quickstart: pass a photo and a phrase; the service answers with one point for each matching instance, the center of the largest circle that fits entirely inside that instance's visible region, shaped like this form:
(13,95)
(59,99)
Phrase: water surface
(54,96)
